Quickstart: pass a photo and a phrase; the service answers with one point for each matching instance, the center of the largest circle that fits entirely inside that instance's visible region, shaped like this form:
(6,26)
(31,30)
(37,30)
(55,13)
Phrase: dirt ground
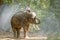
(9,36)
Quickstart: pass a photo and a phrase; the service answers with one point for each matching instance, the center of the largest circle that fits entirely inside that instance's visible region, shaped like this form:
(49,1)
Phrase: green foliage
(7,1)
(36,3)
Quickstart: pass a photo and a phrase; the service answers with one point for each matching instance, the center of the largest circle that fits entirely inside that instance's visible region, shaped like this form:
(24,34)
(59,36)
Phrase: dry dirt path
(9,36)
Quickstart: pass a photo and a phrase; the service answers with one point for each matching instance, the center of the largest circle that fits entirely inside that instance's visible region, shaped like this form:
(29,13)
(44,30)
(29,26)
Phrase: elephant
(22,19)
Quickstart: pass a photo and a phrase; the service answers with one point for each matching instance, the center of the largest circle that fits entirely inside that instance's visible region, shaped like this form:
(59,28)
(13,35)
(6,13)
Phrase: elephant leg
(26,32)
(18,32)
(14,32)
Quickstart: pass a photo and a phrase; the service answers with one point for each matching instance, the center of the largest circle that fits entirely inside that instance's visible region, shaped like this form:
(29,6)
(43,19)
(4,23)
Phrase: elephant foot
(27,37)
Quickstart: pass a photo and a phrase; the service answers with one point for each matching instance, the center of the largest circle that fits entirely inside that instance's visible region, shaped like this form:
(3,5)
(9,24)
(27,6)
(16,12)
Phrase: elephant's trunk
(37,21)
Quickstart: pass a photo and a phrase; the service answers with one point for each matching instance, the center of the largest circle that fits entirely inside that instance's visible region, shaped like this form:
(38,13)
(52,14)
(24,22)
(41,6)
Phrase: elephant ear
(37,21)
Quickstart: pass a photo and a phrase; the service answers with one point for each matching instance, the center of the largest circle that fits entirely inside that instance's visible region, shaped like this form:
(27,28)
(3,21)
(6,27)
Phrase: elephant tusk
(36,27)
